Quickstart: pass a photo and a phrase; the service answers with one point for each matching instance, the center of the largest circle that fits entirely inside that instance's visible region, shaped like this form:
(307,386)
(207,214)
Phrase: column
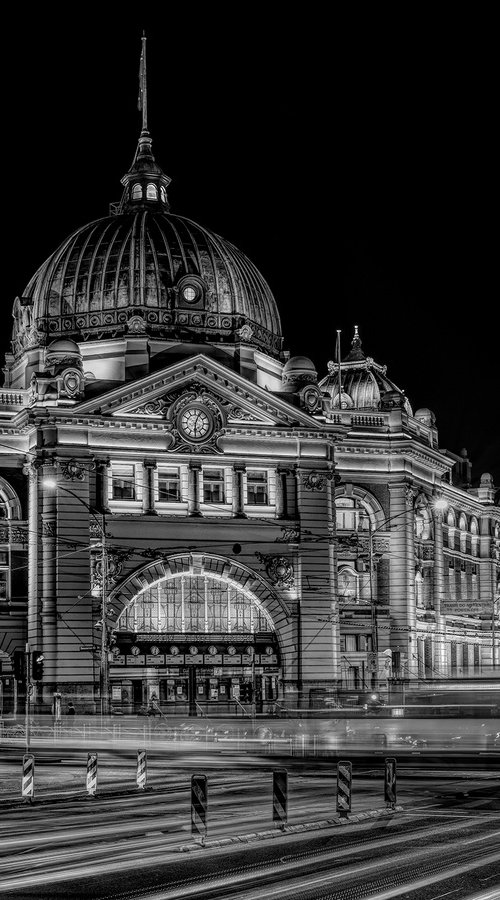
(438,592)
(238,500)
(148,500)
(48,599)
(194,475)
(402,575)
(281,493)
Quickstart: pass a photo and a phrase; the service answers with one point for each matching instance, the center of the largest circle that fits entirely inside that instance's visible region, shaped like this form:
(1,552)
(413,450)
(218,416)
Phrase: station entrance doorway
(195,645)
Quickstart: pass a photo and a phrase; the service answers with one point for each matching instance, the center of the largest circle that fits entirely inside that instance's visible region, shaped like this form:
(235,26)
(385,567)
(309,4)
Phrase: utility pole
(104,634)
(29,688)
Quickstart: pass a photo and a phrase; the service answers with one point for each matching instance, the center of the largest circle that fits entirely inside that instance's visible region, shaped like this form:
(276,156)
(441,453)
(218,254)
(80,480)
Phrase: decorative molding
(279,570)
(316,481)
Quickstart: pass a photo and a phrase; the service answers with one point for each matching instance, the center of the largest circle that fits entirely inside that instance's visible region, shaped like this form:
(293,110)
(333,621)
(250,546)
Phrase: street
(442,838)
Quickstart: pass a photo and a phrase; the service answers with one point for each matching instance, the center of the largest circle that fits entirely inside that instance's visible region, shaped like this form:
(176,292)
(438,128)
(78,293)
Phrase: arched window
(450,518)
(348,584)
(422,523)
(189,604)
(351,515)
(462,522)
(474,527)
(137,192)
(151,192)
(163,194)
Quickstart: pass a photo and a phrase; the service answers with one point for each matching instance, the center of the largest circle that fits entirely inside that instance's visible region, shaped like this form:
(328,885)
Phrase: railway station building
(244,528)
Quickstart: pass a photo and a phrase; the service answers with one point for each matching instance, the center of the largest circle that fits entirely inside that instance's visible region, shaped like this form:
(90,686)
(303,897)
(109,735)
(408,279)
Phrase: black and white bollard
(142,770)
(91,774)
(344,787)
(390,787)
(199,806)
(280,797)
(28,781)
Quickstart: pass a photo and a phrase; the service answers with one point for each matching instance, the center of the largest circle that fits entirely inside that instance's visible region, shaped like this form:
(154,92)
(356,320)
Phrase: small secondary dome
(364,383)
(425,416)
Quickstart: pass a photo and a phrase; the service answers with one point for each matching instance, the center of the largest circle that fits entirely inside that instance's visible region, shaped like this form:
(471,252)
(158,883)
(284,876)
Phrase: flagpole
(339,372)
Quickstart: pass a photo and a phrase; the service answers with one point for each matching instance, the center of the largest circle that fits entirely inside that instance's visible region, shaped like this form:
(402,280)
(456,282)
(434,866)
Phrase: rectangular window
(213,486)
(4,557)
(350,642)
(4,576)
(169,486)
(123,481)
(257,487)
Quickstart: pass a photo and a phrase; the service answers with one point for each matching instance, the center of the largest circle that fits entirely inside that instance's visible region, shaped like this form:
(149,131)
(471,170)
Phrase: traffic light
(245,692)
(36,665)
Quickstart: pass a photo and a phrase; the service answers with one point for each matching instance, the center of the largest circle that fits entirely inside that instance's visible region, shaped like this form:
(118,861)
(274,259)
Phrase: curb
(291,829)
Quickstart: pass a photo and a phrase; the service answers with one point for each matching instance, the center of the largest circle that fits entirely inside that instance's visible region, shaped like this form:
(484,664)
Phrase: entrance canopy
(187,603)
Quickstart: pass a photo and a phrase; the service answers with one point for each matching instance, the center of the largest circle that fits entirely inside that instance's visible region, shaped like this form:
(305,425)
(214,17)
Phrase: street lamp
(101,522)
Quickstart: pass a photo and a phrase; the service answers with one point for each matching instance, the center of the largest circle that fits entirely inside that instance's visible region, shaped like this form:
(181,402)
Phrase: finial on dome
(356,352)
(145,183)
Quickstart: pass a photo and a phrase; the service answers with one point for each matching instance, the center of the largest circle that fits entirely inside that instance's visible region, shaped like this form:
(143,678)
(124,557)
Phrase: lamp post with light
(99,518)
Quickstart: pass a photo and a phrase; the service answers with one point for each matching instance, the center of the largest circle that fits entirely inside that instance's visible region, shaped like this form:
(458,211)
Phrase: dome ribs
(110,269)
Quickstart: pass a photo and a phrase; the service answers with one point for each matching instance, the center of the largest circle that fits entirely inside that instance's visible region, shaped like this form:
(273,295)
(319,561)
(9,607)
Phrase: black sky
(354,160)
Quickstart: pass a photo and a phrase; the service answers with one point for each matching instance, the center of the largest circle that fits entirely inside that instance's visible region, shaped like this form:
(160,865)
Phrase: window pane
(169,486)
(123,480)
(350,642)
(257,488)
(213,486)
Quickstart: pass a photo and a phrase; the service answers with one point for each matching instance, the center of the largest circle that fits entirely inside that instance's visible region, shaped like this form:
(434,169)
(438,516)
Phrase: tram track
(146,852)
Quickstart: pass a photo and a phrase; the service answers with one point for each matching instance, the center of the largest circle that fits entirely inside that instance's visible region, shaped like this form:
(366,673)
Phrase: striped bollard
(91,774)
(390,788)
(199,804)
(142,769)
(280,797)
(344,782)
(28,781)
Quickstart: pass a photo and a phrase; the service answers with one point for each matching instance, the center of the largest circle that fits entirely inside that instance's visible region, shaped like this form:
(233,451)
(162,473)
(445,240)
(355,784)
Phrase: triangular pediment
(151,397)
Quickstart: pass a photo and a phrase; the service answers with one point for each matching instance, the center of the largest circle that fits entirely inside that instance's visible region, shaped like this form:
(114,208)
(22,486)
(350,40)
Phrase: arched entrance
(197,640)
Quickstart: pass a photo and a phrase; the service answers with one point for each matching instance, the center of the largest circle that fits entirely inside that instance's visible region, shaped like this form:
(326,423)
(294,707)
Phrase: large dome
(147,270)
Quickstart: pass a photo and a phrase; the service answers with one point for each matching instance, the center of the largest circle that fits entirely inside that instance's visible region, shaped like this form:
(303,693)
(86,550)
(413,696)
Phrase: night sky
(354,161)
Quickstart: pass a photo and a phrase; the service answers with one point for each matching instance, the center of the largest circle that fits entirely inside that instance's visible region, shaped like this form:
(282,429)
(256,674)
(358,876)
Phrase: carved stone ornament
(410,494)
(136,325)
(315,481)
(197,421)
(154,408)
(114,566)
(30,468)
(48,529)
(245,332)
(290,534)
(279,570)
(72,470)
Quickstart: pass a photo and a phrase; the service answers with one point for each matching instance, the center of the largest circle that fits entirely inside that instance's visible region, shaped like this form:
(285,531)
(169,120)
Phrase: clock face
(195,423)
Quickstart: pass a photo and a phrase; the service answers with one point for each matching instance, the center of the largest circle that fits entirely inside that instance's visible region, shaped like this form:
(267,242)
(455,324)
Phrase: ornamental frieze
(279,570)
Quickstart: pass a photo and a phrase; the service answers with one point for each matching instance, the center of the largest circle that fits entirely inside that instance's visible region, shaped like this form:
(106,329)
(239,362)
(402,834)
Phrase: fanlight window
(194,603)
(152,192)
(351,515)
(136,192)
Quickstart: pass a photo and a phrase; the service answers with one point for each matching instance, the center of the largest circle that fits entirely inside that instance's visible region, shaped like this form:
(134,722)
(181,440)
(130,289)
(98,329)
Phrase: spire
(145,183)
(356,352)
(142,100)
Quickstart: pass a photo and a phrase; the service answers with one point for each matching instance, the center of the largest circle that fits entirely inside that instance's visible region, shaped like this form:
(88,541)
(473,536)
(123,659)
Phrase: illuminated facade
(267,535)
